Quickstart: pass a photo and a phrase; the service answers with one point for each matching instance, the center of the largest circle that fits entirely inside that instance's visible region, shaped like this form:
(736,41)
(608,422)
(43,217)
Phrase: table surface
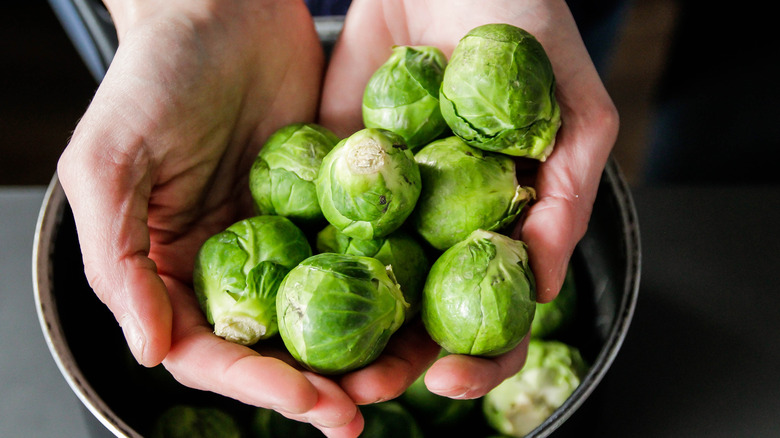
(35,399)
(701,357)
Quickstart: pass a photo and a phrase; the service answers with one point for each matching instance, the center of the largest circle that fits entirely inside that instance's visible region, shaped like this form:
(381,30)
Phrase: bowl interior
(88,345)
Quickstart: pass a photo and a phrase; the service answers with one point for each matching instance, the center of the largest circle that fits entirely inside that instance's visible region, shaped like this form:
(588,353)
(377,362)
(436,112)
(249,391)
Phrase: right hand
(566,183)
(159,163)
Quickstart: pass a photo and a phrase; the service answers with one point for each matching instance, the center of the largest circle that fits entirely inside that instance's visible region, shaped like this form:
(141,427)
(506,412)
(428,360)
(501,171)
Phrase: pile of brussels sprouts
(405,218)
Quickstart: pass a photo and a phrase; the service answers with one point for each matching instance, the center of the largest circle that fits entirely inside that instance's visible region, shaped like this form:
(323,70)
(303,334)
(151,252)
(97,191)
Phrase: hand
(566,183)
(159,162)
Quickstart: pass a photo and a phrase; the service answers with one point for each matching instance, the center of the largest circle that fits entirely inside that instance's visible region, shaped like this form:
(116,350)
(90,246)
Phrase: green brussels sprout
(521,403)
(553,317)
(267,423)
(368,184)
(389,420)
(480,295)
(464,189)
(435,411)
(185,421)
(338,311)
(403,95)
(498,92)
(399,250)
(238,271)
(282,176)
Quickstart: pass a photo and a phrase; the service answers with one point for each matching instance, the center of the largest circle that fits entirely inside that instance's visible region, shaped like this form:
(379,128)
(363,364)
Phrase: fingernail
(457,393)
(461,395)
(135,338)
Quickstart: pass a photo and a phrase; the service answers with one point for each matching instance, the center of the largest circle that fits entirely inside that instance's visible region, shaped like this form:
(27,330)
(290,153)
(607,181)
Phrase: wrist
(126,14)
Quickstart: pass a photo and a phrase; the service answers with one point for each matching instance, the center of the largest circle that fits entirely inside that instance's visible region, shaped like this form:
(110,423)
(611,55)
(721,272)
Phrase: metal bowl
(122,398)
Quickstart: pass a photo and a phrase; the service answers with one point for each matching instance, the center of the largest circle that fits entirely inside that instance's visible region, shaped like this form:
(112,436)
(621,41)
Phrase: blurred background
(686,78)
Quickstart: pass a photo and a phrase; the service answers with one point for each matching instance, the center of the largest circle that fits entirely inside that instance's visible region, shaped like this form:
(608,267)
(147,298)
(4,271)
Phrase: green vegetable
(368,184)
(267,423)
(553,317)
(282,176)
(184,421)
(338,311)
(498,92)
(464,189)
(480,295)
(389,420)
(237,273)
(521,403)
(399,250)
(433,410)
(403,95)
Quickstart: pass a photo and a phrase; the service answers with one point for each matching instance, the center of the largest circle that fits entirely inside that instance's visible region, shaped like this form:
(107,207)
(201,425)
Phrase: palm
(201,135)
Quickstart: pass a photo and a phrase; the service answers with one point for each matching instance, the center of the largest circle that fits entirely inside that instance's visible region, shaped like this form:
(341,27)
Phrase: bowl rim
(49,218)
(621,191)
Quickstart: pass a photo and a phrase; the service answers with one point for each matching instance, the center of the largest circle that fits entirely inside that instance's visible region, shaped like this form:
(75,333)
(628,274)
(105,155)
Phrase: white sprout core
(365,156)
(239,329)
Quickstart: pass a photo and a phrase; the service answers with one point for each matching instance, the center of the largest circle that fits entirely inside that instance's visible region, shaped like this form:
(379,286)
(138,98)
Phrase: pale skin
(159,162)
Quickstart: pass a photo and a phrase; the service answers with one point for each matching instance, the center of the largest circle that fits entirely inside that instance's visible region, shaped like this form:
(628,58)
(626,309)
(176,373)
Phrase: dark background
(696,87)
(44,89)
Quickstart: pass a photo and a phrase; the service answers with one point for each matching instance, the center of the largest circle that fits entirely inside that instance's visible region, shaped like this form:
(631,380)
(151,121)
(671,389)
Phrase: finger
(409,352)
(107,188)
(351,430)
(329,414)
(330,394)
(364,44)
(201,360)
(468,377)
(566,186)
(551,229)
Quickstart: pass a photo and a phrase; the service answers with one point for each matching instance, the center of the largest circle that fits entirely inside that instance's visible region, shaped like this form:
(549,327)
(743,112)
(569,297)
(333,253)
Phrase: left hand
(159,162)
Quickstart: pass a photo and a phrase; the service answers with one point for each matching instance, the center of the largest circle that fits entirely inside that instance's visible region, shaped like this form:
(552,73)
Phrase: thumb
(108,186)
(363,45)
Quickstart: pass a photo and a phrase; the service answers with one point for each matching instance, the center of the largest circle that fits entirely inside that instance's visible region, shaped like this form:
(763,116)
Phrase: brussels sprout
(399,250)
(498,92)
(267,423)
(433,410)
(337,311)
(480,295)
(238,271)
(521,403)
(403,95)
(185,421)
(553,317)
(282,176)
(464,189)
(330,239)
(368,184)
(389,420)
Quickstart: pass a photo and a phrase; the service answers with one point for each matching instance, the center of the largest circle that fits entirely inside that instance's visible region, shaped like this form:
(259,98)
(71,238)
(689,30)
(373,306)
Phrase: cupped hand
(159,162)
(566,183)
